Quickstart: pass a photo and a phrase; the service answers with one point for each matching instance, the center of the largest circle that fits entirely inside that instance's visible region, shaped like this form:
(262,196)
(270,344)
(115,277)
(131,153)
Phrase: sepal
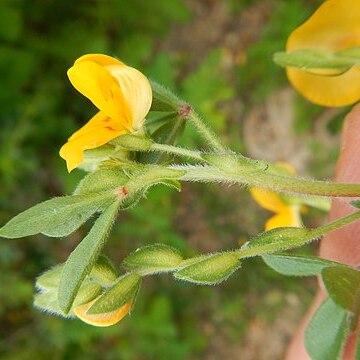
(152,259)
(164,99)
(122,292)
(209,270)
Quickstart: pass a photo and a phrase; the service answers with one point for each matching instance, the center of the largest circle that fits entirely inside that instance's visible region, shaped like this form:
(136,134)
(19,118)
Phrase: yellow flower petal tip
(334,26)
(288,217)
(121,93)
(101,320)
(286,213)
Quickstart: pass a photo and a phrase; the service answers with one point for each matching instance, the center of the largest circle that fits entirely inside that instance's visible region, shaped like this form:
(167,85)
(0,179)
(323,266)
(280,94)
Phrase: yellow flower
(334,26)
(102,320)
(286,213)
(121,93)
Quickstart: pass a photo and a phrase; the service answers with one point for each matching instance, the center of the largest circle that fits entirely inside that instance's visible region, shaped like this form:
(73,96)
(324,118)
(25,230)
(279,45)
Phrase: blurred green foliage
(39,41)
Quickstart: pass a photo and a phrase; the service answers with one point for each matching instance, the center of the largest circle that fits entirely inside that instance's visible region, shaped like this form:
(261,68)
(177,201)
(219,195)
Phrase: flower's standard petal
(102,320)
(268,200)
(288,217)
(136,89)
(100,59)
(329,91)
(98,85)
(98,131)
(334,26)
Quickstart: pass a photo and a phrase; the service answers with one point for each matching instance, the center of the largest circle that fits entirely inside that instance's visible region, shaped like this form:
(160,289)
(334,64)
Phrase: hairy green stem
(273,182)
(170,149)
(211,138)
(309,235)
(336,224)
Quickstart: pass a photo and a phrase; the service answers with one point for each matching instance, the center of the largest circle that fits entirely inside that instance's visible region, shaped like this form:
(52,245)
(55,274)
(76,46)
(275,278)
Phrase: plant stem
(336,224)
(308,235)
(302,186)
(262,179)
(170,149)
(211,138)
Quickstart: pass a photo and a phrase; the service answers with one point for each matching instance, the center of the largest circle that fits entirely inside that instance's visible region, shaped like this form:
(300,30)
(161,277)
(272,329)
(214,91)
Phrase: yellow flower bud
(102,320)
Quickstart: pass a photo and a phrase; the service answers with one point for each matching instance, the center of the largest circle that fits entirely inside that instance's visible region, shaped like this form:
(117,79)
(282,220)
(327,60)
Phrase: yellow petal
(99,120)
(99,86)
(99,59)
(268,200)
(288,217)
(106,319)
(98,131)
(334,26)
(287,167)
(329,91)
(136,89)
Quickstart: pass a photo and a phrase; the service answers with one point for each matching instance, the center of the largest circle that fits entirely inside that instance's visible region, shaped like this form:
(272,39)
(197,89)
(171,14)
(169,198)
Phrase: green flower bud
(153,259)
(210,270)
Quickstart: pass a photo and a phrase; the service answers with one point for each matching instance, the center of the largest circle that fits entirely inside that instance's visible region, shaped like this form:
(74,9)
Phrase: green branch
(265,180)
(208,135)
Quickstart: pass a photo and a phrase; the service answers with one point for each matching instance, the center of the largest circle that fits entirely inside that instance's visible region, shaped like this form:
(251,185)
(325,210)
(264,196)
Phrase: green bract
(123,291)
(153,259)
(82,259)
(211,270)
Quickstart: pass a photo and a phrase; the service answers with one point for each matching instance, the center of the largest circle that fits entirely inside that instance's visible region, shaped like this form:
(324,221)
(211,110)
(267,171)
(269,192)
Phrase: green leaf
(169,132)
(327,331)
(86,293)
(165,131)
(210,271)
(297,265)
(82,259)
(56,217)
(153,259)
(156,119)
(48,300)
(50,279)
(279,239)
(101,180)
(175,184)
(132,199)
(104,271)
(123,291)
(164,99)
(343,286)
